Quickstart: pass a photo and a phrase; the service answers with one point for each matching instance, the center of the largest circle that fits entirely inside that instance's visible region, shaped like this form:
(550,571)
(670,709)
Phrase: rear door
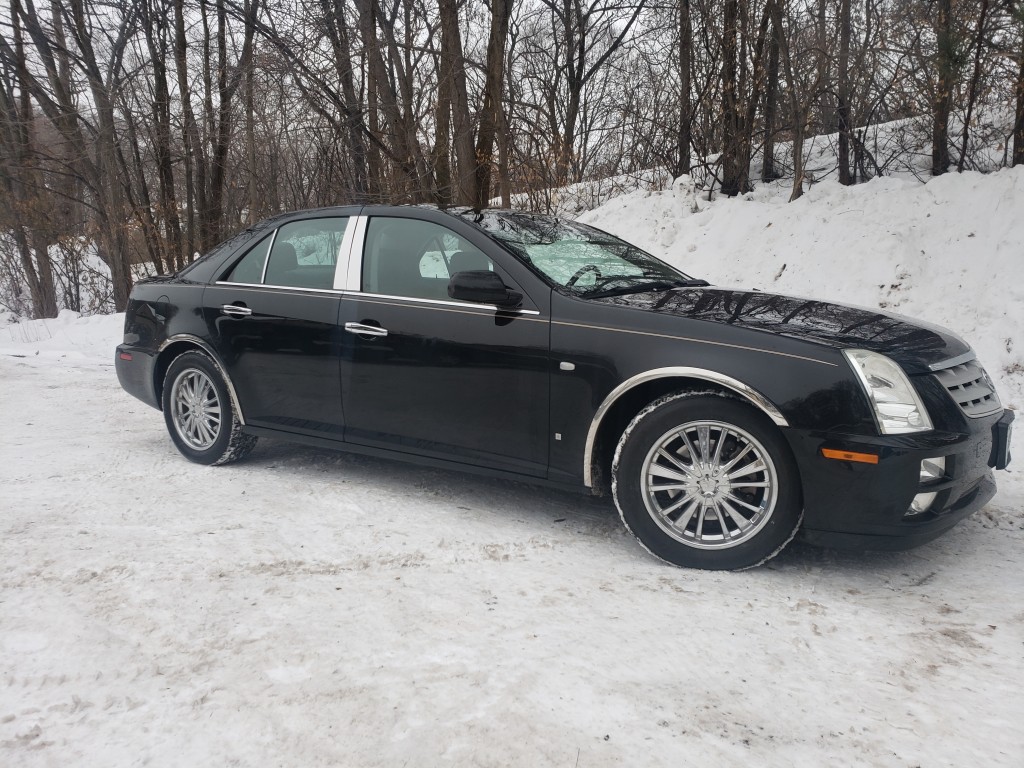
(274,315)
(427,375)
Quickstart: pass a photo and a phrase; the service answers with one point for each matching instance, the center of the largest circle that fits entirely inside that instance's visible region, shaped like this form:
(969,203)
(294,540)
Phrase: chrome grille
(971,387)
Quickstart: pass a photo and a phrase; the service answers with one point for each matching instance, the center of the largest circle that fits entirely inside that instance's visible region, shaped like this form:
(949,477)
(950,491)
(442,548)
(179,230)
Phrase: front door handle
(359,329)
(235,310)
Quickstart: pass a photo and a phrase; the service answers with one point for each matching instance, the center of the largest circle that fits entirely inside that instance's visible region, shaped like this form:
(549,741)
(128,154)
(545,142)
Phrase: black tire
(199,412)
(703,480)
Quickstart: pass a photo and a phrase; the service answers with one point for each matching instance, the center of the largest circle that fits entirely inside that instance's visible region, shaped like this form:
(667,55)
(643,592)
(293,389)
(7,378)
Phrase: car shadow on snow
(534,505)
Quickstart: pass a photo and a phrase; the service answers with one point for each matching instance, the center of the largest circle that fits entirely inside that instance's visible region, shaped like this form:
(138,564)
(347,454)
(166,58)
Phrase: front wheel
(199,414)
(705,481)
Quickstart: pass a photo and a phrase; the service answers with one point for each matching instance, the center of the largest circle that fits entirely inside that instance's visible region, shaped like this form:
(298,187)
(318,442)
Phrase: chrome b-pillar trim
(216,361)
(349,274)
(748,393)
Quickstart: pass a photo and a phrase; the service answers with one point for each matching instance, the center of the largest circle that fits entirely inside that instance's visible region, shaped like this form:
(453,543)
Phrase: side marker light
(863,458)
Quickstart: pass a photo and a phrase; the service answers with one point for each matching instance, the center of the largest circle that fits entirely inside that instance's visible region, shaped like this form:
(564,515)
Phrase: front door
(427,375)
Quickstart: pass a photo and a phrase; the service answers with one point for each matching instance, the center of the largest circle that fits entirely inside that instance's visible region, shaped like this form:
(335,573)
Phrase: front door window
(415,259)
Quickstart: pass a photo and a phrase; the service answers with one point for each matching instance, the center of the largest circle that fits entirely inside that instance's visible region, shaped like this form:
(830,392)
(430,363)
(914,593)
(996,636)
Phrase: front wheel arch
(623,404)
(741,473)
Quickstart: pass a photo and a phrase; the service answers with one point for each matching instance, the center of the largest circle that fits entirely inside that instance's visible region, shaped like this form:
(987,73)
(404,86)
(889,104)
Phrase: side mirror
(483,287)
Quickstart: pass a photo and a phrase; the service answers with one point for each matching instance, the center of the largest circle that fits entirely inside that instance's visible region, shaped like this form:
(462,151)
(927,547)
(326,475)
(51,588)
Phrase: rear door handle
(235,311)
(365,330)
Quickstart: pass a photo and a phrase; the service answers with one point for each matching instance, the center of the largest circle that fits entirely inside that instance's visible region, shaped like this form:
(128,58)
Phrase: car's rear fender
(179,344)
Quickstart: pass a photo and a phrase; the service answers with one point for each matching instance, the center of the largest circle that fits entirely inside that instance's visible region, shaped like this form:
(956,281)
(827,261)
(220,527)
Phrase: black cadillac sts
(531,347)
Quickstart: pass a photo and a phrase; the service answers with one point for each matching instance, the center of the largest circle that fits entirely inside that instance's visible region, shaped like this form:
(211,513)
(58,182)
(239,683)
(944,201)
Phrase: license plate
(1001,433)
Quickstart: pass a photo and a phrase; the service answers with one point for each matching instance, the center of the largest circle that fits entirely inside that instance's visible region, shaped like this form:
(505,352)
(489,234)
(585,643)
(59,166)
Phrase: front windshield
(579,258)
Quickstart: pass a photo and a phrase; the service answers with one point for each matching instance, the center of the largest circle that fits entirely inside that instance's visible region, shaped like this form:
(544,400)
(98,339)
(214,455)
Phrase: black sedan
(532,347)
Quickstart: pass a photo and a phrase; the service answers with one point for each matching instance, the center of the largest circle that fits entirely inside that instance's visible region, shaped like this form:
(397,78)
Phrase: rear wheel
(199,413)
(705,481)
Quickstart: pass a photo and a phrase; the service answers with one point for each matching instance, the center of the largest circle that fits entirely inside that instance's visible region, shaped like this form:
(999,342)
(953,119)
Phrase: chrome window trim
(290,288)
(747,392)
(270,250)
(216,361)
(352,280)
(441,302)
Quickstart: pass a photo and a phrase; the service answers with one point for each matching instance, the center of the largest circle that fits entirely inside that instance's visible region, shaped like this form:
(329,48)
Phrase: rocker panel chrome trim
(748,393)
(216,361)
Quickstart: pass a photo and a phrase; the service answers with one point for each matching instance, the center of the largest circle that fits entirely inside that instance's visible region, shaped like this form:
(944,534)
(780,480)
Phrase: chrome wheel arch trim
(748,393)
(188,337)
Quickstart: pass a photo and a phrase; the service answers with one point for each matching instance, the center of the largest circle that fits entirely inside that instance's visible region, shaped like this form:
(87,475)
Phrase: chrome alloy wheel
(709,484)
(195,409)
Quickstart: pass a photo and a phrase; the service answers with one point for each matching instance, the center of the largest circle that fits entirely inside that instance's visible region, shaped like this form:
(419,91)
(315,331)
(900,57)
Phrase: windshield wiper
(663,284)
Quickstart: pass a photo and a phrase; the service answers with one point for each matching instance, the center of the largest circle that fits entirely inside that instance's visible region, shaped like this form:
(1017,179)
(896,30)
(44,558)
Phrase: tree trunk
(220,134)
(943,101)
(221,124)
(684,141)
(194,151)
(972,93)
(248,97)
(454,69)
(351,105)
(771,95)
(24,185)
(156,40)
(1018,124)
(795,104)
(443,131)
(490,117)
(385,101)
(733,175)
(843,100)
(112,211)
(156,246)
(504,143)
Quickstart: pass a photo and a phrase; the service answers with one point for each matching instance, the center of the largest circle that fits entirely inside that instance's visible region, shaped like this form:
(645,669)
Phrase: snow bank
(947,251)
(69,338)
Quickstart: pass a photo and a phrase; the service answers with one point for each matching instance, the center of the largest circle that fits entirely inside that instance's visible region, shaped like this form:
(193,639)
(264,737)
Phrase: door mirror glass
(483,287)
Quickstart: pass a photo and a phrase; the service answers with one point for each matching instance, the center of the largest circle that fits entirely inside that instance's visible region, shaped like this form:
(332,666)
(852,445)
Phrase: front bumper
(867,506)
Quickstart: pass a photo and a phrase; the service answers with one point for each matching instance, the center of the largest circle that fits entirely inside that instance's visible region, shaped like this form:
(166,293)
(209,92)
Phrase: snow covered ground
(309,608)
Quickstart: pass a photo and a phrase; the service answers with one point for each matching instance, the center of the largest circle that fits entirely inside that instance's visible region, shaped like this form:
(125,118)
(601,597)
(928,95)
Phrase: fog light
(922,503)
(933,469)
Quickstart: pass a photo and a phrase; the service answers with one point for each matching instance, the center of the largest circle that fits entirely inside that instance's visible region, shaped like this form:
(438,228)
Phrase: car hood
(913,344)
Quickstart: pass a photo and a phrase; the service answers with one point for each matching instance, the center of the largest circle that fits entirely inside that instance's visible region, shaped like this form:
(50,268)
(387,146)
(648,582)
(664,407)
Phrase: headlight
(898,409)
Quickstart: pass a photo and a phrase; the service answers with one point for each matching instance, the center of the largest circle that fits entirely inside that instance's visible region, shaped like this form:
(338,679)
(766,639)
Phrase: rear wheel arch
(201,419)
(174,347)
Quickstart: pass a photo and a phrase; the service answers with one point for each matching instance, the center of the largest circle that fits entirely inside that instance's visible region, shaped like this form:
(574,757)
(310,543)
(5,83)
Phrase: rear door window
(302,254)
(250,268)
